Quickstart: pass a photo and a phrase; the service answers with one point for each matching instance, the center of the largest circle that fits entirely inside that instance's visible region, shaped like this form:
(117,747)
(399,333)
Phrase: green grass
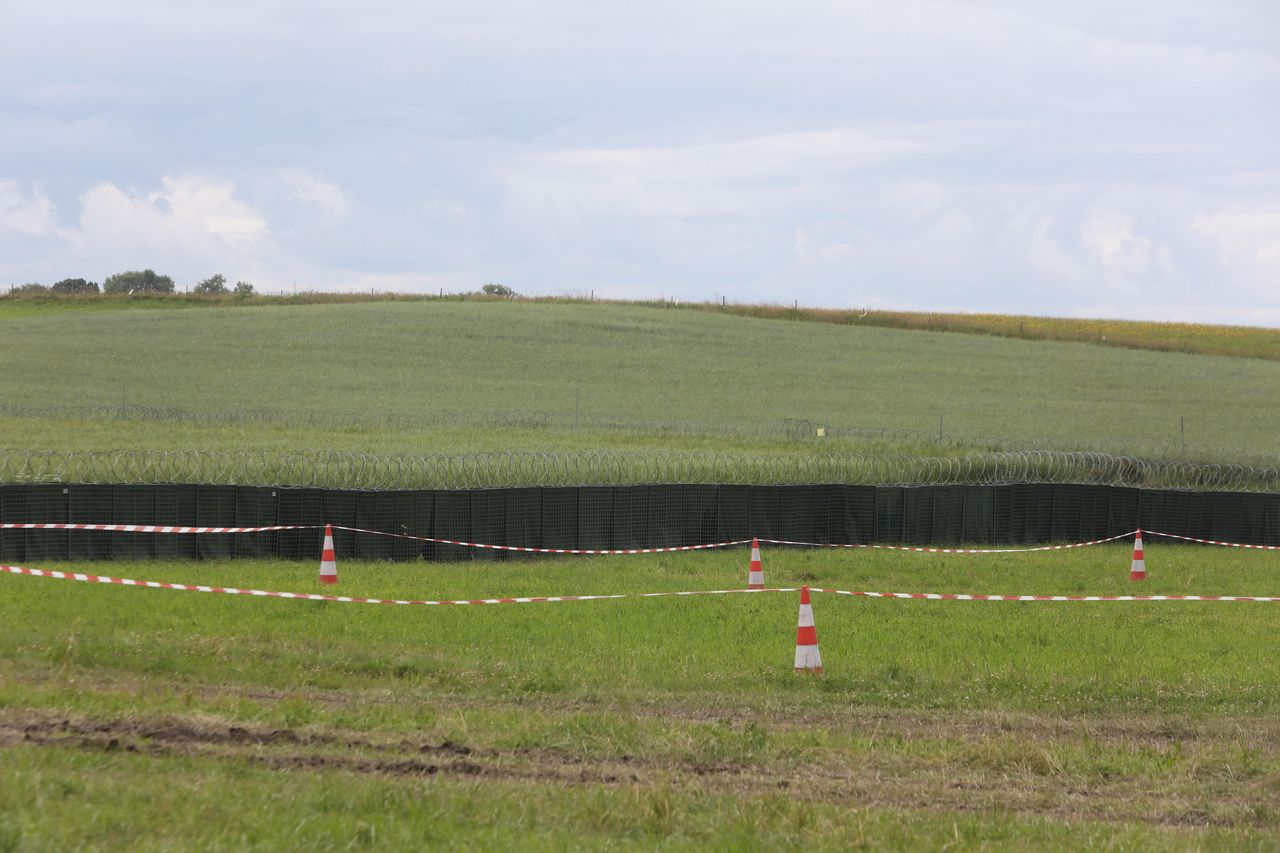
(145,802)
(166,803)
(1234,341)
(282,436)
(659,722)
(980,656)
(669,373)
(159,720)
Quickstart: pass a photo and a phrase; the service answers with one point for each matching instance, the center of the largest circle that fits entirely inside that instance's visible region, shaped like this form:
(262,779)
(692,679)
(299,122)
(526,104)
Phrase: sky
(1077,158)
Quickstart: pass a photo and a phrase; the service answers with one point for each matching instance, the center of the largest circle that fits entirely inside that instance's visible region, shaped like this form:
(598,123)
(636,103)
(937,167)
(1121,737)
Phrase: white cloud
(304,187)
(1245,235)
(189,227)
(187,213)
(27,213)
(1109,238)
(729,178)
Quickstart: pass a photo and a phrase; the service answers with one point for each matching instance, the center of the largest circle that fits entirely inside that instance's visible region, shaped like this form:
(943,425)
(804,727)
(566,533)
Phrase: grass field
(666,371)
(149,719)
(143,717)
(1131,333)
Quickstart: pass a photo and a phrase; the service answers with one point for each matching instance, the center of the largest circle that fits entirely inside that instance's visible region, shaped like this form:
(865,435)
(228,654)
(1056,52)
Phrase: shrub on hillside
(214,284)
(27,289)
(497,290)
(144,281)
(75,285)
(243,288)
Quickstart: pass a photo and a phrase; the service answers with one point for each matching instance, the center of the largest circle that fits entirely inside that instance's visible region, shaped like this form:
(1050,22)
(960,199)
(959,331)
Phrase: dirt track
(1036,782)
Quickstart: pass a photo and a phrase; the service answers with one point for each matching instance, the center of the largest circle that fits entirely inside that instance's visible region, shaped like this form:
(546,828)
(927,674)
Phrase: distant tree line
(150,281)
(134,281)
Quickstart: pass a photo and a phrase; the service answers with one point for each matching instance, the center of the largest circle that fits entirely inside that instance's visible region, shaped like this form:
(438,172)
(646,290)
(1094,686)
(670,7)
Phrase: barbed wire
(334,469)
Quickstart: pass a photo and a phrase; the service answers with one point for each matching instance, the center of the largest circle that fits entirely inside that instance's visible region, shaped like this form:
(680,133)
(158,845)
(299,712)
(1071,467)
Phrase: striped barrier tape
(350,599)
(528,550)
(152,528)
(155,528)
(1213,541)
(964,596)
(922,550)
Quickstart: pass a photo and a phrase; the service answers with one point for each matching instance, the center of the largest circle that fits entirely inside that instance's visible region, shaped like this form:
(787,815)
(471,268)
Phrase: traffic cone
(755,574)
(328,562)
(808,658)
(1138,571)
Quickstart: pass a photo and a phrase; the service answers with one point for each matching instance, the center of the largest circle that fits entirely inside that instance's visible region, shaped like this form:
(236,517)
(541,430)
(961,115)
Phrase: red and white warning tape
(153,528)
(960,596)
(954,550)
(350,599)
(527,550)
(1212,541)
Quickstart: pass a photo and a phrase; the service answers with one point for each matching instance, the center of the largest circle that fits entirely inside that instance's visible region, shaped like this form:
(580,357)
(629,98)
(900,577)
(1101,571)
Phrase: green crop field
(1237,341)
(134,717)
(626,376)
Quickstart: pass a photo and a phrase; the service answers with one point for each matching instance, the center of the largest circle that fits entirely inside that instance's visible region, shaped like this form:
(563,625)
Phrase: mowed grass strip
(1180,657)
(644,364)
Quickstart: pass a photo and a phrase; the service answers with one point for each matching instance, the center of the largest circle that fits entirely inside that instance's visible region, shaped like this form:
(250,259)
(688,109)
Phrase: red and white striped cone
(808,659)
(328,561)
(1138,570)
(755,574)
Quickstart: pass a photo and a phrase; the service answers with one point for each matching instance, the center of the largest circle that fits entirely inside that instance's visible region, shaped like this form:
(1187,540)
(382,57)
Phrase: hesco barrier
(607,517)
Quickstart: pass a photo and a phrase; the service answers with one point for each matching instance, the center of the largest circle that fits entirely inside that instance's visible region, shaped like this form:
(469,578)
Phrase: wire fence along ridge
(334,469)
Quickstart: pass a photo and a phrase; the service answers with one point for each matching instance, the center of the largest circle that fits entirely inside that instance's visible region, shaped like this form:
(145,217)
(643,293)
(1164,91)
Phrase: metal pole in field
(577,399)
(939,429)
(1182,432)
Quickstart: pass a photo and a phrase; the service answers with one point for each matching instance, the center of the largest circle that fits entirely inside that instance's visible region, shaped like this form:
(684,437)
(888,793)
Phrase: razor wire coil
(338,469)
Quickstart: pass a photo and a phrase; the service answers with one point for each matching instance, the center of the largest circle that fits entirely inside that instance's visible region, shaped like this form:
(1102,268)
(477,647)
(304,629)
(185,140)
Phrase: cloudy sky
(1073,158)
